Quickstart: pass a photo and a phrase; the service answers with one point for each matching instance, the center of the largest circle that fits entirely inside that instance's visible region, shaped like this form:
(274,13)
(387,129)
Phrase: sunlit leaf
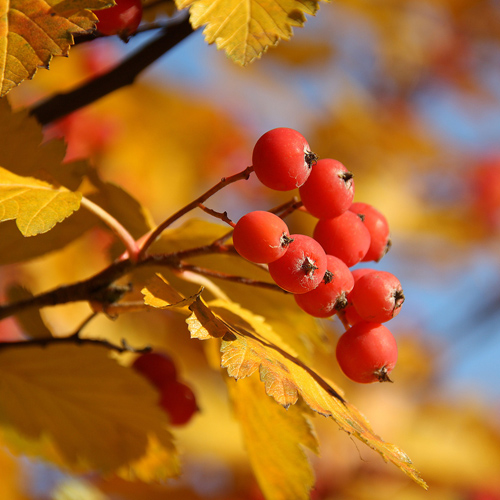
(245,30)
(98,414)
(246,351)
(158,293)
(275,439)
(33,31)
(37,206)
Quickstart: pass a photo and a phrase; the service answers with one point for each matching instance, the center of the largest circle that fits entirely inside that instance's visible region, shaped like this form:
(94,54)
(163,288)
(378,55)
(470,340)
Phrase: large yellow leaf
(97,414)
(37,206)
(33,31)
(245,29)
(274,439)
(247,350)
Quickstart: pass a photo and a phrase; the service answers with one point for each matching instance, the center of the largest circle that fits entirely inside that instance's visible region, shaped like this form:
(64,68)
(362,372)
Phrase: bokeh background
(407,95)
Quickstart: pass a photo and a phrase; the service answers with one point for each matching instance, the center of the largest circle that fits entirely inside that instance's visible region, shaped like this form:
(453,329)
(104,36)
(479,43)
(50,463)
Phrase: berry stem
(151,237)
(218,215)
(125,237)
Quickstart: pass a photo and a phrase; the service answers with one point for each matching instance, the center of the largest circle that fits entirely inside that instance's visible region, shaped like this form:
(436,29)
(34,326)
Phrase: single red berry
(330,295)
(345,237)
(282,159)
(377,296)
(122,19)
(302,267)
(367,352)
(261,237)
(349,312)
(157,367)
(378,227)
(179,401)
(329,189)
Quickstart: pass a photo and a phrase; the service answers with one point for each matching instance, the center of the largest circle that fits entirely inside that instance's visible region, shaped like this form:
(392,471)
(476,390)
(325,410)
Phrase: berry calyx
(302,267)
(330,295)
(367,352)
(261,237)
(282,159)
(329,189)
(122,19)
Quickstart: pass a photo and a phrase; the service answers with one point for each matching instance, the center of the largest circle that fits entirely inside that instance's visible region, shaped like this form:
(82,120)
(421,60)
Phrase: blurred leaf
(244,351)
(98,414)
(274,440)
(35,205)
(245,30)
(14,247)
(33,31)
(31,320)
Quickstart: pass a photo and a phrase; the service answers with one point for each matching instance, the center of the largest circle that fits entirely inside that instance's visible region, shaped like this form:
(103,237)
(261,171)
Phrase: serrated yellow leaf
(285,377)
(274,439)
(33,31)
(37,206)
(246,29)
(97,414)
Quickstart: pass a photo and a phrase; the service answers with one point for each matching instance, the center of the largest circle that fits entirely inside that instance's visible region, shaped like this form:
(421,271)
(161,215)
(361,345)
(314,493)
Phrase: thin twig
(225,181)
(218,215)
(122,75)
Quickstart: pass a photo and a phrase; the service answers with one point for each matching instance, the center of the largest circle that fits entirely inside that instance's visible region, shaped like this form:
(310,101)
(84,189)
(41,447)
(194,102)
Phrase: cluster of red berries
(176,398)
(122,19)
(317,269)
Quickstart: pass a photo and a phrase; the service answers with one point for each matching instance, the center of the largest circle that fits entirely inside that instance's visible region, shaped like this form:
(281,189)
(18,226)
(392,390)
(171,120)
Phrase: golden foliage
(245,30)
(97,414)
(34,31)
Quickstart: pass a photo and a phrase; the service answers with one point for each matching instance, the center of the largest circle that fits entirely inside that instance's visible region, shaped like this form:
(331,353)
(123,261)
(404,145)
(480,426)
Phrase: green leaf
(37,206)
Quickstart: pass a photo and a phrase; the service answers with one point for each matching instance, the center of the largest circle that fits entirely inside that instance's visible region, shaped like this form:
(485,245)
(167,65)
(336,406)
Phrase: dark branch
(122,75)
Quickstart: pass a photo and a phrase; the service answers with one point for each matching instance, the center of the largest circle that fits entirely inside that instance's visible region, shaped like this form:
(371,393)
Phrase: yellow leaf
(160,294)
(245,30)
(37,206)
(98,414)
(203,324)
(33,31)
(274,439)
(285,377)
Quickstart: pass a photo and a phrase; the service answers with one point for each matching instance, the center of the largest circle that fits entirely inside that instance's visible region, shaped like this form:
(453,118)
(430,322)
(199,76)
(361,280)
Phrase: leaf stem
(125,237)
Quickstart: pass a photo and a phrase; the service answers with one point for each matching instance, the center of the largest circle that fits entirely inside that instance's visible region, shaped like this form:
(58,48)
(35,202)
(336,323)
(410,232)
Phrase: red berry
(345,237)
(302,267)
(179,401)
(377,296)
(329,189)
(349,312)
(121,19)
(282,159)
(377,226)
(157,367)
(330,295)
(261,237)
(367,352)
